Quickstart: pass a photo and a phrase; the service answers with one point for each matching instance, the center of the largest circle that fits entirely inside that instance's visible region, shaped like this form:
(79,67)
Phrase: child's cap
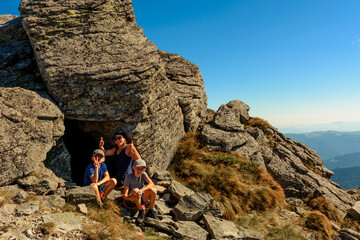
(140,163)
(98,151)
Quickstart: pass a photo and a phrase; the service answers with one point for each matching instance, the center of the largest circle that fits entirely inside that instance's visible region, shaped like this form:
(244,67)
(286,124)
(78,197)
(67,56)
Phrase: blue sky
(293,62)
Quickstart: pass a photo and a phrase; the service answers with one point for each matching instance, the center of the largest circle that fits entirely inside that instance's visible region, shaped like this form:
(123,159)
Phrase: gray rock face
(223,229)
(80,194)
(101,70)
(295,166)
(355,211)
(188,83)
(232,116)
(17,62)
(178,190)
(191,208)
(28,208)
(30,127)
(58,160)
(182,229)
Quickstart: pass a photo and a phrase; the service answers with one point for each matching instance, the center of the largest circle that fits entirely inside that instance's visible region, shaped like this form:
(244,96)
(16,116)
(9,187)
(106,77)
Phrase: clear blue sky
(293,62)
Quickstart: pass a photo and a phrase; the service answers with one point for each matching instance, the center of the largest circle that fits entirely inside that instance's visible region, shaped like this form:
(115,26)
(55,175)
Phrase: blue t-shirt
(90,170)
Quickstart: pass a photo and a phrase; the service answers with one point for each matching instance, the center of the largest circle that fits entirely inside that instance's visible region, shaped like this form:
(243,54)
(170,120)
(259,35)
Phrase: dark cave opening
(81,146)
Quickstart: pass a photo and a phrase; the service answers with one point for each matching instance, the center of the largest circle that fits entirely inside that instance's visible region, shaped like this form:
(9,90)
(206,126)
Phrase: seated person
(97,175)
(124,155)
(136,193)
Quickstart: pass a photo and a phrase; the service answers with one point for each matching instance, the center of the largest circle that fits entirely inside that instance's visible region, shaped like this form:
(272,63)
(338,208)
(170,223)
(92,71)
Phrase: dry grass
(350,224)
(46,228)
(238,185)
(317,221)
(326,208)
(111,225)
(264,126)
(259,123)
(272,225)
(287,232)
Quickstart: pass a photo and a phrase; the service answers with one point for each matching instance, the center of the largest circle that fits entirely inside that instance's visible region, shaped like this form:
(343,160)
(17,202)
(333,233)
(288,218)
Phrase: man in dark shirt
(124,154)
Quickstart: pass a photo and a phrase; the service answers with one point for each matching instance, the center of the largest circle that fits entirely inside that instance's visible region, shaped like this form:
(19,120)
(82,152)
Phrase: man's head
(120,137)
(139,167)
(98,155)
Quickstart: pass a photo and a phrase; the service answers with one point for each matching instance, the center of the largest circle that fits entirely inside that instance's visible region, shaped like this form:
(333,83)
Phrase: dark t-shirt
(123,164)
(90,170)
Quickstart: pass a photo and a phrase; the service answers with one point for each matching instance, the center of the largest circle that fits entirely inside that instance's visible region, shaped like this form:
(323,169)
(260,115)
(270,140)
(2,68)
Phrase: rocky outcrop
(295,166)
(102,71)
(30,126)
(17,62)
(188,84)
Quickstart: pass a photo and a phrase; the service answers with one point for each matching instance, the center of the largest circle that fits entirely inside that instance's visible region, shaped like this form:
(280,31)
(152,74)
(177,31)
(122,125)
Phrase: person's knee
(114,181)
(94,186)
(153,191)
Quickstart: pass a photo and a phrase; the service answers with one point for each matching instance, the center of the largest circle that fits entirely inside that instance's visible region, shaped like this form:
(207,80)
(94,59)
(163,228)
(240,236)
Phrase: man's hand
(101,144)
(130,149)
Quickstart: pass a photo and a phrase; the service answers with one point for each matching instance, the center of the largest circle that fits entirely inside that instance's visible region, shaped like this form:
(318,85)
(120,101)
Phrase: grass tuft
(286,232)
(320,204)
(237,184)
(320,223)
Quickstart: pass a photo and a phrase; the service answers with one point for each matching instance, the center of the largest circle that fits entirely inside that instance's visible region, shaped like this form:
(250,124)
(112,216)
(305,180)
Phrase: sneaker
(151,213)
(140,218)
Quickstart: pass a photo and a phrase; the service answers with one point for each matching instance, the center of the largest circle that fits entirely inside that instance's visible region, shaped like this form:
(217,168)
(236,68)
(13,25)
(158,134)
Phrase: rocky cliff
(295,166)
(92,65)
(102,71)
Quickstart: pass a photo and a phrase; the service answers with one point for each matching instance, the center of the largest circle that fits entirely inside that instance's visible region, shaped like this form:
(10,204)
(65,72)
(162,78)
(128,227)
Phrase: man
(97,176)
(124,153)
(136,193)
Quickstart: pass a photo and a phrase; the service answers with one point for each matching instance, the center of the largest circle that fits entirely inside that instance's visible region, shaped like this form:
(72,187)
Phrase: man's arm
(132,152)
(108,152)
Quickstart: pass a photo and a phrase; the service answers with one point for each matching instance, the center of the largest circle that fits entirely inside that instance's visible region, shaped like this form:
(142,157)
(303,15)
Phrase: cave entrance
(80,146)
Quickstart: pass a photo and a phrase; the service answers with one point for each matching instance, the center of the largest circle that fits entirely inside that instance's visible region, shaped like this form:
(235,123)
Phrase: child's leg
(135,199)
(150,194)
(97,193)
(110,185)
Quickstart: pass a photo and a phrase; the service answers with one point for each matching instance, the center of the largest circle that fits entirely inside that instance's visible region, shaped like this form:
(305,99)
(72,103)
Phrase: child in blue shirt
(97,176)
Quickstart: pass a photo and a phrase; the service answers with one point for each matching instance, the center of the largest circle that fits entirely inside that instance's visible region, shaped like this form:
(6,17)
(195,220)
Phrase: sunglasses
(117,138)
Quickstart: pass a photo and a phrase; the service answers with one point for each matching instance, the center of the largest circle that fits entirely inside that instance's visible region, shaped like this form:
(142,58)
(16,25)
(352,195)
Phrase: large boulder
(298,169)
(103,72)
(17,62)
(30,127)
(188,84)
(232,116)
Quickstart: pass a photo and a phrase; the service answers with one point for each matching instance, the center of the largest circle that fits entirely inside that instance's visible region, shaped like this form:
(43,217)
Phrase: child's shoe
(151,213)
(141,216)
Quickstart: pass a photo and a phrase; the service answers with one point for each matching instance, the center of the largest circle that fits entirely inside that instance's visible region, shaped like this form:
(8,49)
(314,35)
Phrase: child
(97,175)
(139,193)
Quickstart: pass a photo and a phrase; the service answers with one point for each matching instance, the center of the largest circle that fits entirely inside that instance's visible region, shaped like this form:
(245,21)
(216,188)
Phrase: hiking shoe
(151,213)
(140,218)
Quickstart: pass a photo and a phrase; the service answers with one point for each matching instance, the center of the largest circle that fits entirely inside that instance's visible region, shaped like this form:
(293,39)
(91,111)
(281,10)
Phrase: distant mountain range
(340,152)
(329,144)
(334,126)
(343,161)
(348,178)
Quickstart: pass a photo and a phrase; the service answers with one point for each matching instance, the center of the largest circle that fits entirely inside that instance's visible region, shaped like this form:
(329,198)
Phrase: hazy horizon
(294,63)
